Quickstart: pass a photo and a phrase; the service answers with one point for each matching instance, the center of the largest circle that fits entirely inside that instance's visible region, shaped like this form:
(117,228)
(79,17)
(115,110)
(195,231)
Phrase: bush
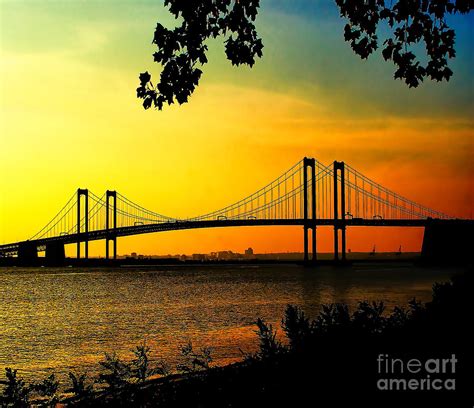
(115,373)
(15,393)
(48,388)
(268,344)
(194,361)
(141,368)
(79,386)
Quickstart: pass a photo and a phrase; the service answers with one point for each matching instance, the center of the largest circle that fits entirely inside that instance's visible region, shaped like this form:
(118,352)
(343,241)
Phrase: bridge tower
(309,223)
(110,236)
(339,223)
(85,193)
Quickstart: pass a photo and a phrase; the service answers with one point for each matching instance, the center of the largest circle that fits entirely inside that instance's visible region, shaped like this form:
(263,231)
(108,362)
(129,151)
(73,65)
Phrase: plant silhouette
(15,393)
(115,372)
(79,387)
(48,389)
(411,24)
(192,361)
(141,367)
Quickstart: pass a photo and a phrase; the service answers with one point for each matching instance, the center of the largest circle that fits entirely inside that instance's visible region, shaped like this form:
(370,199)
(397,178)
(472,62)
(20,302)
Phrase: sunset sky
(70,118)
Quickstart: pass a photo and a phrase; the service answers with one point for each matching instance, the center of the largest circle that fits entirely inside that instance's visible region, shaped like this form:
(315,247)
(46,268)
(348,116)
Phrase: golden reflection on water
(61,319)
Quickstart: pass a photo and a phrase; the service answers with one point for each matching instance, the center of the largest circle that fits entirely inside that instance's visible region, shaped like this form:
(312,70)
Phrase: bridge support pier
(110,236)
(339,222)
(309,223)
(27,253)
(447,242)
(55,253)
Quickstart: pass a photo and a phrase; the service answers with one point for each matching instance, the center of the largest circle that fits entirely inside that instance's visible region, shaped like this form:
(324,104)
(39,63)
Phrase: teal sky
(304,52)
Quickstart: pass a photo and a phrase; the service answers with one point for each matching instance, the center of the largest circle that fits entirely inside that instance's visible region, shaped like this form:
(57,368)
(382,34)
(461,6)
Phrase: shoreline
(324,259)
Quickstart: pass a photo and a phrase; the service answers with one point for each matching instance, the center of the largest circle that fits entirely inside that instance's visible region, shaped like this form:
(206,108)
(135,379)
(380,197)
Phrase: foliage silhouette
(411,23)
(48,388)
(296,327)
(79,386)
(192,361)
(369,317)
(269,346)
(180,49)
(115,372)
(140,367)
(333,318)
(15,393)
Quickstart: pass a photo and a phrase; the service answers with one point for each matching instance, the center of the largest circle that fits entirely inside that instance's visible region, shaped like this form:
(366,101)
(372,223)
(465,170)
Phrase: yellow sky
(69,118)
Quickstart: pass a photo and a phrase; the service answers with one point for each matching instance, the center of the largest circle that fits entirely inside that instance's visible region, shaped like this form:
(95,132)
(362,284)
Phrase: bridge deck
(183,225)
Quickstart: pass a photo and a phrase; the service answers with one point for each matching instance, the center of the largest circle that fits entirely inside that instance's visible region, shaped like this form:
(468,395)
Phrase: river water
(63,319)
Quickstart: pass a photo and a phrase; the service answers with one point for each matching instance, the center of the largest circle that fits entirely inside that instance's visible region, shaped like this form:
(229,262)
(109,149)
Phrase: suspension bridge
(309,194)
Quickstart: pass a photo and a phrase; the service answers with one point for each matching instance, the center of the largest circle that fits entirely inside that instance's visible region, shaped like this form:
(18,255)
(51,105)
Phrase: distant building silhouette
(249,253)
(225,255)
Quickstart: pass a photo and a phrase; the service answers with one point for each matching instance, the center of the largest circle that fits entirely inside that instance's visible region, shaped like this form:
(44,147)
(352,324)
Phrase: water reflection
(65,319)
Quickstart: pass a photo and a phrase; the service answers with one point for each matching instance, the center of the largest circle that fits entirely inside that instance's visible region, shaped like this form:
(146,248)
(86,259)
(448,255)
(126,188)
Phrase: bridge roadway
(12,248)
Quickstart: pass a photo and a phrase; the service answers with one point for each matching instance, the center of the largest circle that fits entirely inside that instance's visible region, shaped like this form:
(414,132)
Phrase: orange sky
(69,118)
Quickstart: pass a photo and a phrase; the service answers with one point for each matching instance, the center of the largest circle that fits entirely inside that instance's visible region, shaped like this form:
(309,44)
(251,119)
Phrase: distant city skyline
(229,254)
